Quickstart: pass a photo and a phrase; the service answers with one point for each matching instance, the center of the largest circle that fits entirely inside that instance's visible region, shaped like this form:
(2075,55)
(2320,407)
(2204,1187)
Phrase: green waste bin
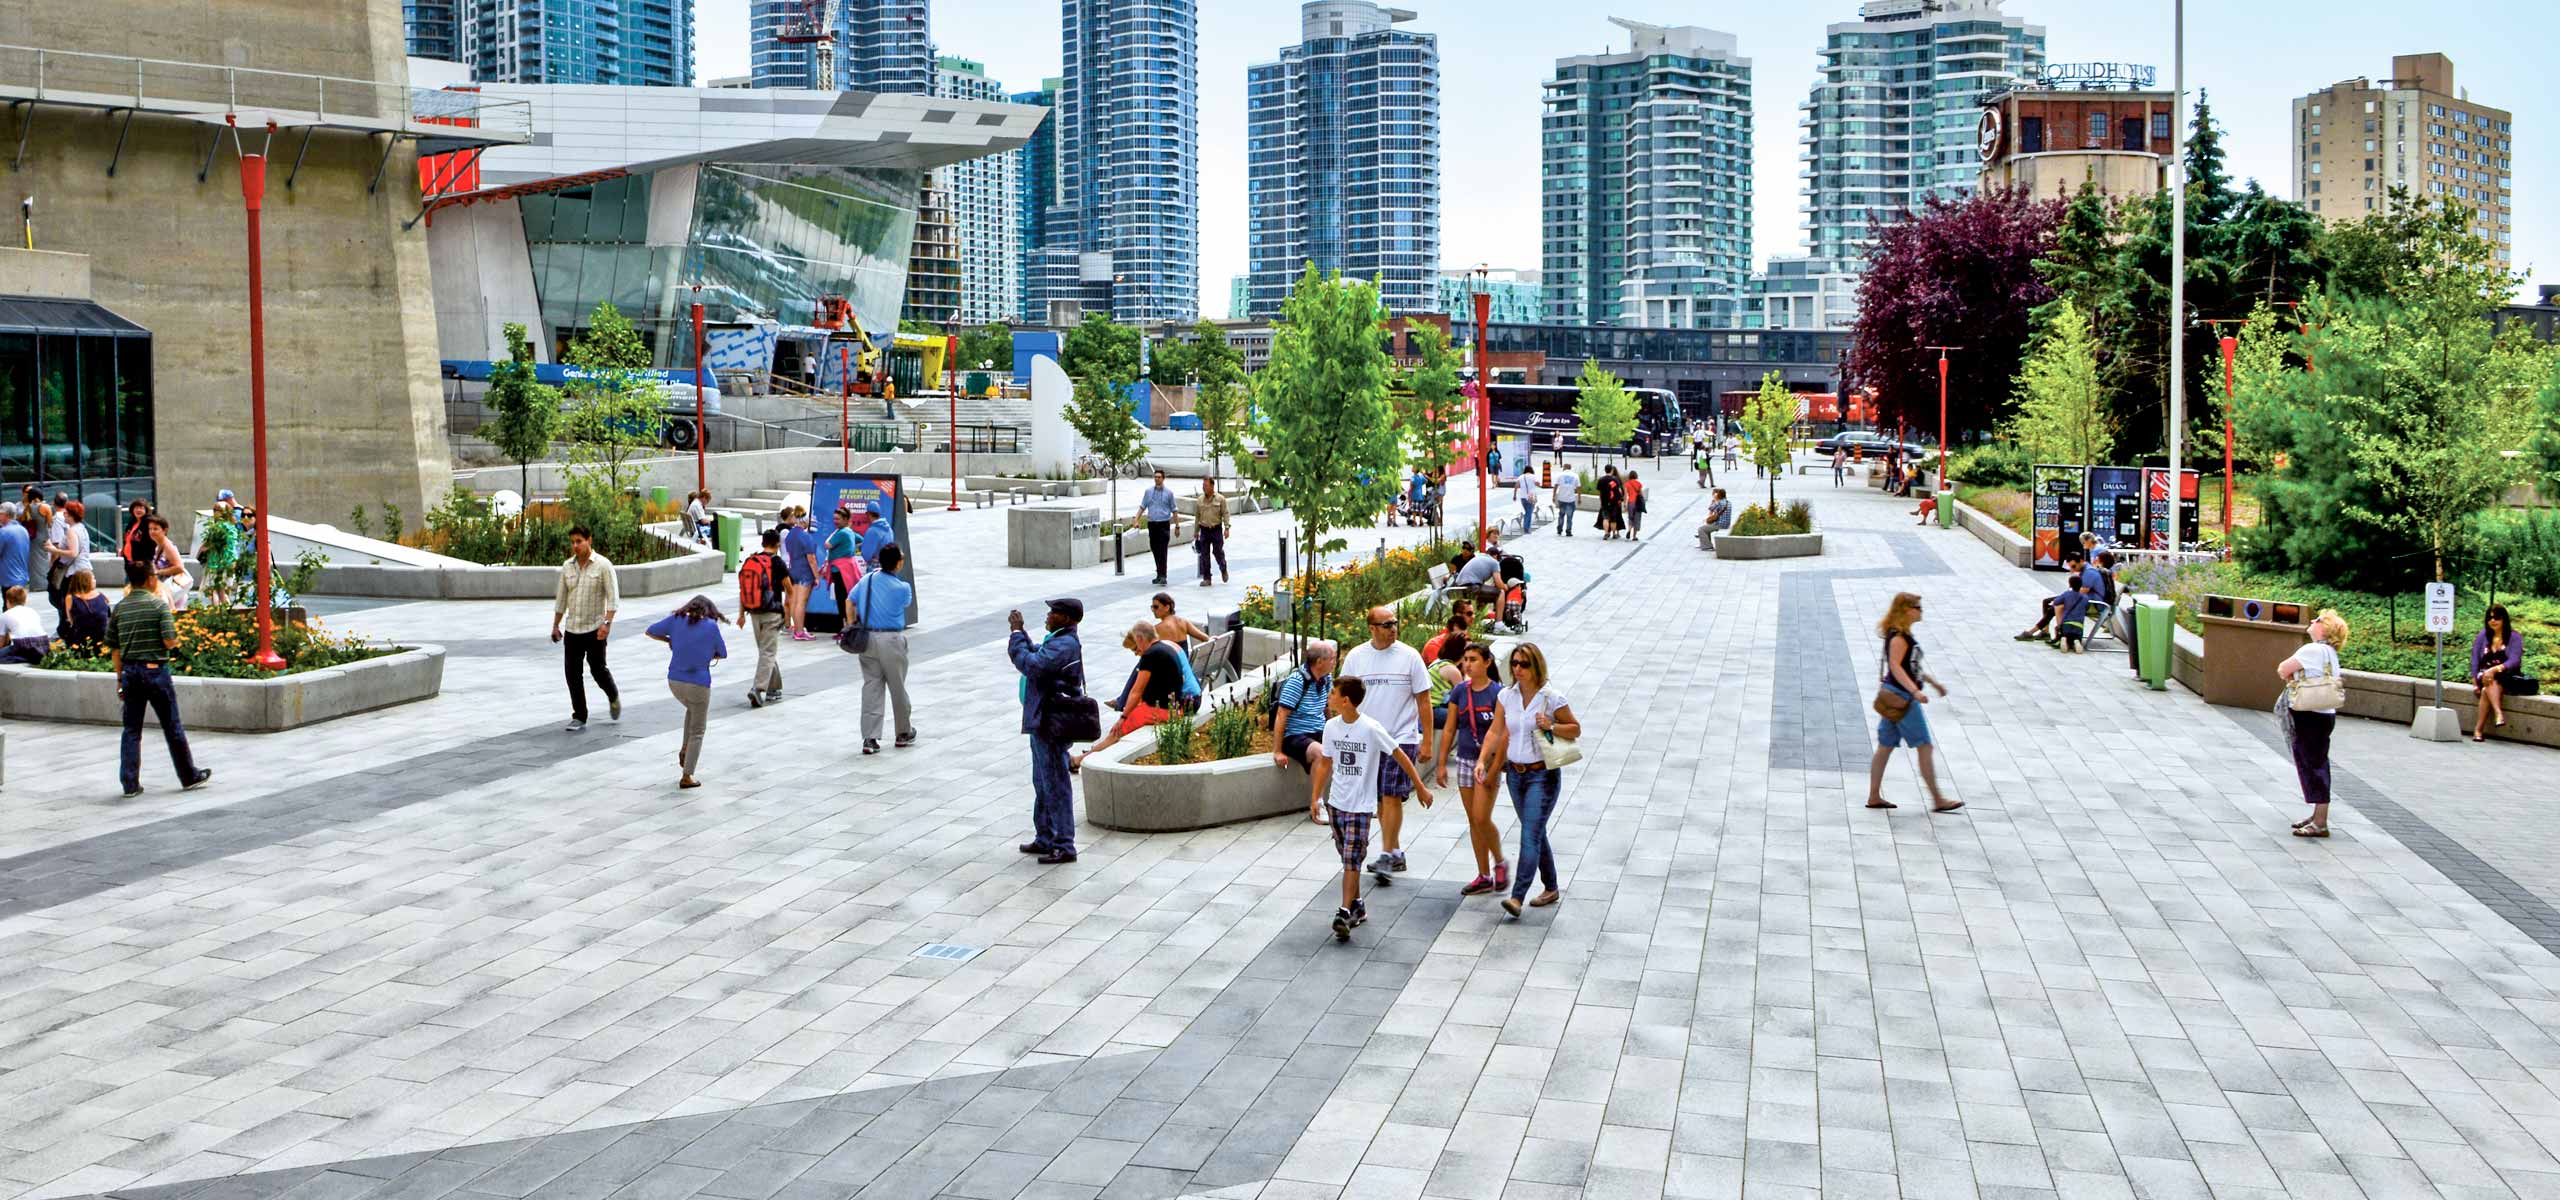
(1946,509)
(727,532)
(2154,633)
(657,495)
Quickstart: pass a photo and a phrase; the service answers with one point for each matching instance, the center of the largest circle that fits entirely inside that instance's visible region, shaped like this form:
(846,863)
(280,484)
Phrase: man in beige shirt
(582,608)
(1210,511)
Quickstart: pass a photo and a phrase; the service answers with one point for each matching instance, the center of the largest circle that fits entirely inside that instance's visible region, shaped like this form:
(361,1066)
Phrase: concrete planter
(2001,538)
(1170,799)
(700,568)
(233,705)
(1052,488)
(1783,545)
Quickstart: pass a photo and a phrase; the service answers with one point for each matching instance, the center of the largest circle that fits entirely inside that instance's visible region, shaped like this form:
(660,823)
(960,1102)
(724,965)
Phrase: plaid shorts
(1465,769)
(1351,835)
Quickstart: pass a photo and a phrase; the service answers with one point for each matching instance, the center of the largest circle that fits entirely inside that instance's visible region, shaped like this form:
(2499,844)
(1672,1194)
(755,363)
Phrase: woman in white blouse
(1530,706)
(2316,661)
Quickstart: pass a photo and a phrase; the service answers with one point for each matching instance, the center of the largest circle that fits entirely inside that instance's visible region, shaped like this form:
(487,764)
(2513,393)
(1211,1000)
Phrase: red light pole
(701,430)
(253,193)
(1942,411)
(844,418)
(1484,397)
(2230,389)
(951,389)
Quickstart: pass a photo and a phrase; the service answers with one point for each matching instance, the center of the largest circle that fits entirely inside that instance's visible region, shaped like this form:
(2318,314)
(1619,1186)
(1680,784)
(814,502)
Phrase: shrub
(1173,739)
(1758,521)
(2001,464)
(1229,727)
(466,527)
(1332,602)
(2008,506)
(215,643)
(2373,647)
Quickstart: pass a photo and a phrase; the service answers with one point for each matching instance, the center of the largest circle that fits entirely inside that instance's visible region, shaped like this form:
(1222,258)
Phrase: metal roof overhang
(45,314)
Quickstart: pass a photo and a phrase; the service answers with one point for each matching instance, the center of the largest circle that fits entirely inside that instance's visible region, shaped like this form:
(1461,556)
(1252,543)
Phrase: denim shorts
(1911,730)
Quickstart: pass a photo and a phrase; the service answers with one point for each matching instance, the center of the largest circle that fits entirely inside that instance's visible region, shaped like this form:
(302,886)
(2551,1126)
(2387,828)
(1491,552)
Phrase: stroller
(1515,592)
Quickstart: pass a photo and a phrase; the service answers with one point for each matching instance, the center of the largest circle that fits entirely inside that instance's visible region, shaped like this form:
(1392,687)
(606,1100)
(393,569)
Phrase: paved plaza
(449,950)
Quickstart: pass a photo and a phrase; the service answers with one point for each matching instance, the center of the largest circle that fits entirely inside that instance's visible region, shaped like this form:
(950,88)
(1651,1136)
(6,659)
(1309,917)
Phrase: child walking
(1346,777)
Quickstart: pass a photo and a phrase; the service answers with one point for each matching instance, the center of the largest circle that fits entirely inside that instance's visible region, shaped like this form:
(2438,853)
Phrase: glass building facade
(1645,211)
(1125,231)
(641,42)
(985,196)
(1342,153)
(880,46)
(1892,116)
(763,241)
(75,404)
(1038,181)
(434,28)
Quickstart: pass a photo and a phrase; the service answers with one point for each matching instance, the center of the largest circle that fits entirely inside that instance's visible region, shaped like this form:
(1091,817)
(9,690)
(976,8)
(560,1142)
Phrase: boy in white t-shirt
(1355,752)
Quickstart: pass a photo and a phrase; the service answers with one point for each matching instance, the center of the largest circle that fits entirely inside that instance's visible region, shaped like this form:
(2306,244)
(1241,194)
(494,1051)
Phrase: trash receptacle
(2154,629)
(1946,509)
(658,496)
(728,532)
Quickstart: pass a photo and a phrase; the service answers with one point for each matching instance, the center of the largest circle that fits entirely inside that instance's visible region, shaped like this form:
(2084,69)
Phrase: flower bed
(2008,506)
(216,643)
(1760,521)
(1334,602)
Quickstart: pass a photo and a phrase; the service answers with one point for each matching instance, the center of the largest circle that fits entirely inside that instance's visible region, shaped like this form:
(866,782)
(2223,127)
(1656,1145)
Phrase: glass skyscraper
(1646,158)
(1038,180)
(645,43)
(1892,117)
(985,198)
(880,46)
(434,28)
(1343,157)
(1124,234)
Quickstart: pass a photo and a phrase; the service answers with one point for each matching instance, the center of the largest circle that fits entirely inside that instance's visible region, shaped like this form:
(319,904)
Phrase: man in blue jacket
(1054,668)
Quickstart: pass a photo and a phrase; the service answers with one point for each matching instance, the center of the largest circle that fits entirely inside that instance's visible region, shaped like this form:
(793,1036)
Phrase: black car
(1871,444)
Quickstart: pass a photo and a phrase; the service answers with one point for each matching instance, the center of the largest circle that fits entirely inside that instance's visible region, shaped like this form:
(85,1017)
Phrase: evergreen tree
(2081,263)
(2061,415)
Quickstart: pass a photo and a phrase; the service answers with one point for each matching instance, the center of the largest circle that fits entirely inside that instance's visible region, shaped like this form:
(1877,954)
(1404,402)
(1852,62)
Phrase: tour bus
(1544,411)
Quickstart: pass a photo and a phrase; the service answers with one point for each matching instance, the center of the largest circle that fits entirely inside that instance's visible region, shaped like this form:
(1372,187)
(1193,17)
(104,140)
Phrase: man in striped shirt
(140,635)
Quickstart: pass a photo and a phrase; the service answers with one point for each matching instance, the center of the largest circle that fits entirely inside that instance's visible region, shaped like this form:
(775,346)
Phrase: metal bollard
(1119,553)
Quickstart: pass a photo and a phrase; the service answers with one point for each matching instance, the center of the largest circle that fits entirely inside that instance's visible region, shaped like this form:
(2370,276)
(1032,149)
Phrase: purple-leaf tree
(1955,273)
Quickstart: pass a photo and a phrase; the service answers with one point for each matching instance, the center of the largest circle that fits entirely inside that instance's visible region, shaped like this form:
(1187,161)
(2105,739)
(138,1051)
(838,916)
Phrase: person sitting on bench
(2071,566)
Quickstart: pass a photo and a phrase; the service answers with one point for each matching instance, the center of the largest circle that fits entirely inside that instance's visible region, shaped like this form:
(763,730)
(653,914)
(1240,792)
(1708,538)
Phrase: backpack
(761,578)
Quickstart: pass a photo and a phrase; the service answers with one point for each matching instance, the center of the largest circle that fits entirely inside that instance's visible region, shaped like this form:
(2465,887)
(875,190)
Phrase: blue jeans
(148,684)
(1053,796)
(1528,515)
(1564,516)
(1533,797)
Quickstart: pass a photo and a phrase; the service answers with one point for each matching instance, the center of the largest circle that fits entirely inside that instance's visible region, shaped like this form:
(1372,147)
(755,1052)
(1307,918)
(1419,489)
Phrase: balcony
(441,120)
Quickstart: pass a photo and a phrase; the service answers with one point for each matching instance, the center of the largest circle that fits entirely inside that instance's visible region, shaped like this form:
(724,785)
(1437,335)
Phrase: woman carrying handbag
(2314,691)
(1899,719)
(1532,740)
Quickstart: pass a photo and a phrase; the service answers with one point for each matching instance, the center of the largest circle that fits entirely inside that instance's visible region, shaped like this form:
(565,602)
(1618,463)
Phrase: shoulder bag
(2326,692)
(1070,716)
(855,637)
(1553,751)
(1889,704)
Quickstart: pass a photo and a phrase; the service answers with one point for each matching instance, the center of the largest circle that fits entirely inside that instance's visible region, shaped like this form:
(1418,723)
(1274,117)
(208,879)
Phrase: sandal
(2312,831)
(1946,808)
(1881,803)
(2304,823)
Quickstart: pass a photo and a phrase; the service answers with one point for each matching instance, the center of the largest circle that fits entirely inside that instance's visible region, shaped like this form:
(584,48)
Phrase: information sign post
(2437,723)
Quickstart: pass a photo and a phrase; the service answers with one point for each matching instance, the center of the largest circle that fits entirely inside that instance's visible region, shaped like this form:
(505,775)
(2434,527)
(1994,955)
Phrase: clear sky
(2250,58)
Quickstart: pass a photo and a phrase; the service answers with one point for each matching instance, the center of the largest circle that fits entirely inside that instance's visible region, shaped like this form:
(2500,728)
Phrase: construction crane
(813,23)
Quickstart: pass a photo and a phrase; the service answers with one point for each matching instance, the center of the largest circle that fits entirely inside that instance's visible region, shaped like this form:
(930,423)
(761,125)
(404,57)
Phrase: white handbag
(1557,752)
(2323,694)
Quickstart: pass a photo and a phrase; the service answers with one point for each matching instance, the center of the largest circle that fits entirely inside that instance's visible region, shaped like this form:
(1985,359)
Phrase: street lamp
(701,430)
(951,390)
(2177,263)
(844,413)
(253,193)
(1942,411)
(1483,280)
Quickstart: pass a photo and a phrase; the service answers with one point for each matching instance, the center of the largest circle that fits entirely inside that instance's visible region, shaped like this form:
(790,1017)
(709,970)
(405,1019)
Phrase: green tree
(1428,406)
(2265,341)
(2061,415)
(2545,442)
(614,410)
(989,348)
(528,413)
(1169,361)
(1770,418)
(1604,407)
(1219,370)
(2398,432)
(1100,414)
(1101,346)
(1328,432)
(2081,263)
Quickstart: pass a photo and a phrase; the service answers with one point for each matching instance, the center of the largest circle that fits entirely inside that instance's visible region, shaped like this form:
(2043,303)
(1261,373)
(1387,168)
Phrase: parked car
(1872,444)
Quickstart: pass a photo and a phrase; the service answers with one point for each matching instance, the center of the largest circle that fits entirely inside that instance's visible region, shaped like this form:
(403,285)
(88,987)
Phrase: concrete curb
(698,569)
(1186,796)
(1783,545)
(233,705)
(2001,538)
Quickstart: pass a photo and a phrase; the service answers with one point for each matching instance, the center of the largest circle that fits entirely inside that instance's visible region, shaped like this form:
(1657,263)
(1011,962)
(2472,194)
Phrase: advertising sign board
(2115,505)
(861,492)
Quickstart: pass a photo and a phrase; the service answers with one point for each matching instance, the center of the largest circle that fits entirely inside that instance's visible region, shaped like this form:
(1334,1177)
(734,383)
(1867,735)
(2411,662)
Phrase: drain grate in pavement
(947,951)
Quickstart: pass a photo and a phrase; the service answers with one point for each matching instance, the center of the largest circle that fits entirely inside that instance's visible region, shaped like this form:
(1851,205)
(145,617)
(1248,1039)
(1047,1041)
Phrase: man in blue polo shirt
(1298,714)
(879,533)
